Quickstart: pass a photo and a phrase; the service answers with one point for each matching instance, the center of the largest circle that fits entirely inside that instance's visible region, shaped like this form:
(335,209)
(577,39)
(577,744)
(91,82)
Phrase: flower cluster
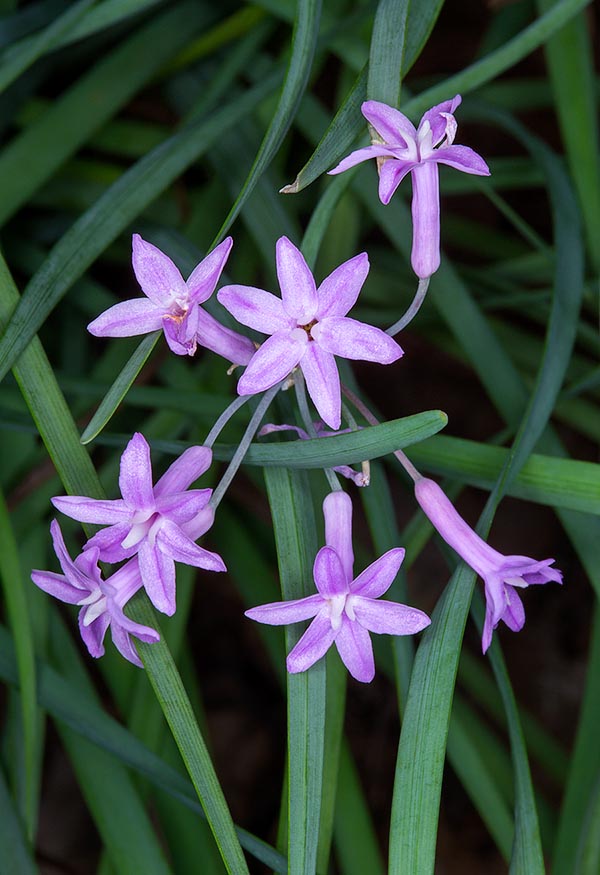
(153,526)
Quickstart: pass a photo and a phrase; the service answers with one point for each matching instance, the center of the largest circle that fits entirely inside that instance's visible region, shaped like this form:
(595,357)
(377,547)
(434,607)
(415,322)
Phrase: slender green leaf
(542,479)
(20,57)
(31,158)
(304,41)
(356,843)
(119,388)
(13,847)
(20,623)
(386,54)
(84,716)
(295,536)
(101,224)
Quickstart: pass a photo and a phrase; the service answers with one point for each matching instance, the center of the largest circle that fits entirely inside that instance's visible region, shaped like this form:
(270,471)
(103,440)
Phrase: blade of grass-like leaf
(119,388)
(412,837)
(356,844)
(386,53)
(173,699)
(31,158)
(474,774)
(295,537)
(21,56)
(17,611)
(342,449)
(13,848)
(304,41)
(335,703)
(59,433)
(105,14)
(100,225)
(348,122)
(588,860)
(107,788)
(542,479)
(83,715)
(570,63)
(585,765)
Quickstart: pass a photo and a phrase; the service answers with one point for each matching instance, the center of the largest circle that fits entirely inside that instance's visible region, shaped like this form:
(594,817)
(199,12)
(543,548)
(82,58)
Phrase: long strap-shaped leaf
(295,537)
(13,847)
(73,464)
(304,41)
(414,825)
(386,53)
(347,124)
(101,224)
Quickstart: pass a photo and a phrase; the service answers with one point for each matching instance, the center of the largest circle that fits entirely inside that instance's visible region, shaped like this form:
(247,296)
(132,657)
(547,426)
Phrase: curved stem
(372,420)
(300,388)
(245,442)
(224,419)
(412,310)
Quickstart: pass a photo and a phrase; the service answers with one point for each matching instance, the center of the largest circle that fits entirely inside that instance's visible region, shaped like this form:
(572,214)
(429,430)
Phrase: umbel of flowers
(153,526)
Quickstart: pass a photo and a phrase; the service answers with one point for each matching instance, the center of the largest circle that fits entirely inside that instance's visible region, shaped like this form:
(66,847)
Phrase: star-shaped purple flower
(502,575)
(101,601)
(173,304)
(401,149)
(308,327)
(345,610)
(158,522)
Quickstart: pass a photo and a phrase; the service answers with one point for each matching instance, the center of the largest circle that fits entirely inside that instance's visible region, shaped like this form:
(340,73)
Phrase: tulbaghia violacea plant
(173,304)
(158,522)
(502,575)
(101,601)
(308,328)
(400,148)
(345,609)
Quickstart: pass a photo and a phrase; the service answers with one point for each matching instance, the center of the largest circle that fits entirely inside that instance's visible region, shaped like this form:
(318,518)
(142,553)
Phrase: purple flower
(159,523)
(402,149)
(359,478)
(101,601)
(345,610)
(308,327)
(173,304)
(502,575)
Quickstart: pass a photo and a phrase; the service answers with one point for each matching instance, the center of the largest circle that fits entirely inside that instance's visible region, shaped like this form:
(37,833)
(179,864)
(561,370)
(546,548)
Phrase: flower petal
(425,207)
(92,510)
(346,337)
(391,125)
(328,573)
(74,575)
(181,331)
(158,576)
(379,576)
(436,116)
(127,319)
(276,358)
(337,510)
(58,586)
(514,614)
(190,465)
(135,476)
(203,279)
(93,635)
(297,284)
(356,651)
(391,174)
(224,341)
(314,644)
(159,278)
(461,158)
(182,506)
(323,383)
(339,291)
(388,618)
(256,308)
(282,613)
(108,543)
(173,542)
(360,155)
